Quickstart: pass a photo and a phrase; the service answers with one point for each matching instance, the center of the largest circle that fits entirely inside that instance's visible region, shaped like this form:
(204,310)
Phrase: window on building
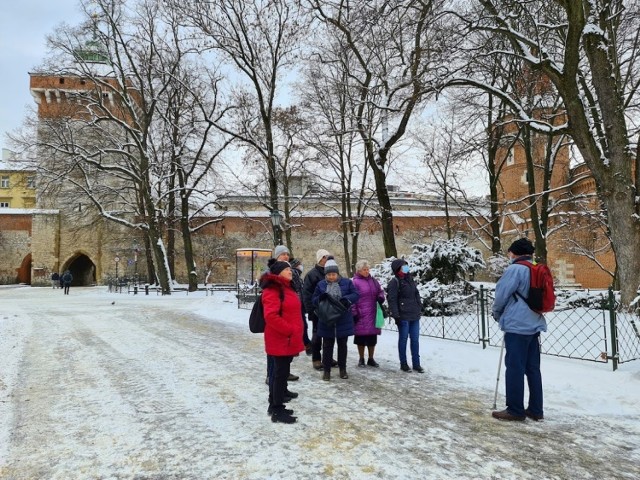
(4,205)
(31,181)
(510,158)
(4,181)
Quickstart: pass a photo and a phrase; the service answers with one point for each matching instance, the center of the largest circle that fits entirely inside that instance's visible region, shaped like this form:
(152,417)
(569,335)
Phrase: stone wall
(15,244)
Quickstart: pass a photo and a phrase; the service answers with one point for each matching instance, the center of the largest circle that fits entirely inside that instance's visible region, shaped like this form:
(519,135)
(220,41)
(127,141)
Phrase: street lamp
(276,220)
(117,260)
(135,262)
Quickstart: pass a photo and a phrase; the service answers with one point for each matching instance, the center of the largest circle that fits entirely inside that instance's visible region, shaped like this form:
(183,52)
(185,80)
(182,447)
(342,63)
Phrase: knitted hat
(294,262)
(397,265)
(278,267)
(279,250)
(331,267)
(522,246)
(321,253)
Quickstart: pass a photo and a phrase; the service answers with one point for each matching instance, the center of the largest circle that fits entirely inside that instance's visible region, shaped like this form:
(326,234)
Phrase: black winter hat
(522,246)
(294,262)
(397,265)
(278,267)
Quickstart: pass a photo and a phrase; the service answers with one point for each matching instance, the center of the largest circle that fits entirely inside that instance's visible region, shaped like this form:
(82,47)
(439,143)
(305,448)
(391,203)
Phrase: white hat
(321,253)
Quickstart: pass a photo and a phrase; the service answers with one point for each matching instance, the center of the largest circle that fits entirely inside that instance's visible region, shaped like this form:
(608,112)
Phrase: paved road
(144,389)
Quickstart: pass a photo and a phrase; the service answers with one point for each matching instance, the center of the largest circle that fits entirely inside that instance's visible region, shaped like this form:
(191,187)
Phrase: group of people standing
(338,307)
(62,281)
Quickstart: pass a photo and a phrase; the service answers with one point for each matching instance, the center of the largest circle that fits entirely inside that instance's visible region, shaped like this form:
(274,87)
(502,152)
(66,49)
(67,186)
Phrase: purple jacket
(365,308)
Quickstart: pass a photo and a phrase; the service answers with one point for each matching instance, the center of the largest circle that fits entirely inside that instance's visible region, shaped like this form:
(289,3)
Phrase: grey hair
(360,264)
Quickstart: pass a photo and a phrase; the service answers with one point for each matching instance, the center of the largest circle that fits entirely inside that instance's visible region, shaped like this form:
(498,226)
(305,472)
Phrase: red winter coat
(282,331)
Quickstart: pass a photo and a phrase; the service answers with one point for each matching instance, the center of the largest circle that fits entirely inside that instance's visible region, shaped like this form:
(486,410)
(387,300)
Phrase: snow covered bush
(496,265)
(440,270)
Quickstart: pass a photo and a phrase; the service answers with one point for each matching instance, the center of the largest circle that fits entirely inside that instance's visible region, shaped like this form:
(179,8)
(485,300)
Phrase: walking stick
(495,396)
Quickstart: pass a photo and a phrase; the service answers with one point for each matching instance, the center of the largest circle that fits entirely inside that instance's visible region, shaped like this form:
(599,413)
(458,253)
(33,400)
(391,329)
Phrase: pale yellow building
(17,183)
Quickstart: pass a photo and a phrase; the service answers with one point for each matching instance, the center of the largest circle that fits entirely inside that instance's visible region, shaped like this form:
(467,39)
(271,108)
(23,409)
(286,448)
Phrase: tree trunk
(386,210)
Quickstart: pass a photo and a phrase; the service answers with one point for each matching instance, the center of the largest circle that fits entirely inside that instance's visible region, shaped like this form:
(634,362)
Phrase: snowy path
(147,389)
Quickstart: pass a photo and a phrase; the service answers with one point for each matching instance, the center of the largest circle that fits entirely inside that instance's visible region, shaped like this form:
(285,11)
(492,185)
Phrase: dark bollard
(146,289)
(135,289)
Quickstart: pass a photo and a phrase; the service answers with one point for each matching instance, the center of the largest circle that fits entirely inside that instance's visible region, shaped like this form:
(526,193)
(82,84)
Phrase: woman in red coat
(282,333)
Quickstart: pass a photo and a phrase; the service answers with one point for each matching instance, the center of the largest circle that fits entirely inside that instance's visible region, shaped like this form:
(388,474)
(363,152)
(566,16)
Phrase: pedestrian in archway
(67,278)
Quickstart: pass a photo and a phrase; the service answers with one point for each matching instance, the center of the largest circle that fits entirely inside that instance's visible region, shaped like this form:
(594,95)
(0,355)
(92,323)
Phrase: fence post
(614,330)
(482,318)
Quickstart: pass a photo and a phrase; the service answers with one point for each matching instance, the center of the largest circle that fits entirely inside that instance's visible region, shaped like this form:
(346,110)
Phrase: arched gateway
(82,269)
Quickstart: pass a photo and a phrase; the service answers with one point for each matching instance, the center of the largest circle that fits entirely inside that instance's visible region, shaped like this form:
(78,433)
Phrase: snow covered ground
(153,387)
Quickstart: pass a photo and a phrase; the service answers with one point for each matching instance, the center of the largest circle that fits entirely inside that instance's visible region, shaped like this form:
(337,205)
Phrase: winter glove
(397,320)
(356,319)
(323,296)
(345,303)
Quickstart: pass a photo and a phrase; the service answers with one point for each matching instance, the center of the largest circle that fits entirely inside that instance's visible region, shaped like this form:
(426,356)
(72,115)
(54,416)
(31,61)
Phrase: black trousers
(316,341)
(327,352)
(278,379)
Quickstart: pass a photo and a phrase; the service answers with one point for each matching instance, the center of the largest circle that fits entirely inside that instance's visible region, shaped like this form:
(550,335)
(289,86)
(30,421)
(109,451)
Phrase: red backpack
(542,295)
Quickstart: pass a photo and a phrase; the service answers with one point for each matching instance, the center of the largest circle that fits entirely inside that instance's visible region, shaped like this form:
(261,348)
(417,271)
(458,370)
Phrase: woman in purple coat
(364,312)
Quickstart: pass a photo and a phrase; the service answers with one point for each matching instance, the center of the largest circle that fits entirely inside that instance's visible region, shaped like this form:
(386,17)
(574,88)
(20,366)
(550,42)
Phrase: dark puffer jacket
(282,318)
(311,280)
(403,296)
(344,326)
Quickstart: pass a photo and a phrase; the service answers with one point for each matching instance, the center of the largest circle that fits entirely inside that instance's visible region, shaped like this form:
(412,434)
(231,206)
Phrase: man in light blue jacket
(521,327)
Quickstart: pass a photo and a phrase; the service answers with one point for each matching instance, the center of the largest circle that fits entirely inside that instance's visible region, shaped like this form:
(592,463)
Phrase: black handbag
(329,311)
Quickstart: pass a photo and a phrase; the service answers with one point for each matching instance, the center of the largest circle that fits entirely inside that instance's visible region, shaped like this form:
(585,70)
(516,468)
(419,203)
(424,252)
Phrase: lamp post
(117,260)
(276,220)
(135,263)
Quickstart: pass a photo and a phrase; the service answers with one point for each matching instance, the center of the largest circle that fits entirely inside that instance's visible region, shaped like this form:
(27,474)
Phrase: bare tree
(330,108)
(260,38)
(109,144)
(588,49)
(397,47)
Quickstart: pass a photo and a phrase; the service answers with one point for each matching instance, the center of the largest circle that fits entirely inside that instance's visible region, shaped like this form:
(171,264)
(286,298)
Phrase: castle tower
(514,177)
(72,235)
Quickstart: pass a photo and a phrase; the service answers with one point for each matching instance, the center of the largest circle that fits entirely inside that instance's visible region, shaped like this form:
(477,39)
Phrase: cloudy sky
(24,25)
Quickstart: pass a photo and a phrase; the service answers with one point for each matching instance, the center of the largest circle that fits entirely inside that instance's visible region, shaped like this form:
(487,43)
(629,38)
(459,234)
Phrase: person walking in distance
(311,280)
(333,298)
(521,327)
(405,306)
(55,280)
(282,334)
(364,312)
(67,278)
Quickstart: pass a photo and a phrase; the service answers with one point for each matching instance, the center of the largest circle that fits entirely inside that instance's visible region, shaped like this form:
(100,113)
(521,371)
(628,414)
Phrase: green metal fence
(586,333)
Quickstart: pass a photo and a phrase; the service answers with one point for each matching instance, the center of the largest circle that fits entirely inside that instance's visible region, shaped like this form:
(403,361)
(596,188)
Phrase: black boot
(271,411)
(281,416)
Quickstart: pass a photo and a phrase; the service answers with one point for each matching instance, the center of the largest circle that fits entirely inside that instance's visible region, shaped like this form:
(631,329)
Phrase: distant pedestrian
(364,312)
(282,335)
(67,278)
(405,306)
(521,327)
(55,280)
(333,298)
